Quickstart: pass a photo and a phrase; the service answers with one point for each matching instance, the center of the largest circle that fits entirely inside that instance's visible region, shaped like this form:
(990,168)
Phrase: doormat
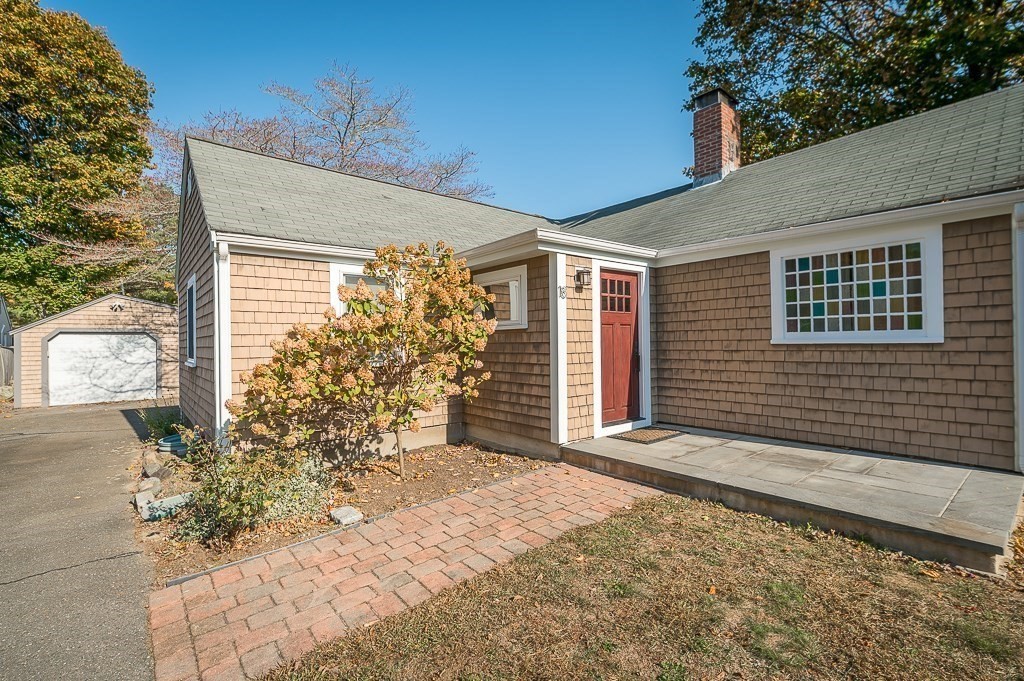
(648,436)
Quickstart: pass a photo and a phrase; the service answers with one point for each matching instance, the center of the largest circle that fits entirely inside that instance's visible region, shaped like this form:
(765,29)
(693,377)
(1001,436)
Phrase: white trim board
(300,250)
(222,334)
(533,242)
(644,323)
(972,208)
(559,342)
(930,237)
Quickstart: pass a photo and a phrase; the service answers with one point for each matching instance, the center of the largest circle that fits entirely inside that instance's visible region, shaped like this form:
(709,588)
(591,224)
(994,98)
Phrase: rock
(152,467)
(346,515)
(151,485)
(163,508)
(151,464)
(163,473)
(143,501)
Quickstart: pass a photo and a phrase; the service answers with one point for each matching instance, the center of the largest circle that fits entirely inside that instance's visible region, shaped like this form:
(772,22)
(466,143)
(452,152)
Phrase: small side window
(190,322)
(346,274)
(508,286)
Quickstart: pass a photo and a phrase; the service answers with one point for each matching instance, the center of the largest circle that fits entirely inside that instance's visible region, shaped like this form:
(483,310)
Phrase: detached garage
(113,349)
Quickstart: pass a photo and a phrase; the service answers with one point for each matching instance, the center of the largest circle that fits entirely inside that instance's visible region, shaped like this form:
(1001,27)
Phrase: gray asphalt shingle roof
(244,192)
(965,149)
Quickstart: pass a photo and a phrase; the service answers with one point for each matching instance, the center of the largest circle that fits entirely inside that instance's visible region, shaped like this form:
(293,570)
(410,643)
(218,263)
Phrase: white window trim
(191,333)
(516,278)
(338,272)
(644,320)
(933,303)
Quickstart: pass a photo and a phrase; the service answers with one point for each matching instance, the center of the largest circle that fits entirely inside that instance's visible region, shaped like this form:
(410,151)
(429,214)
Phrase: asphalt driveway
(73,584)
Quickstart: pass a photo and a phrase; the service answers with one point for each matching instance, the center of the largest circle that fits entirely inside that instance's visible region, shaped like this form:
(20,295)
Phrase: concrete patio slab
(928,509)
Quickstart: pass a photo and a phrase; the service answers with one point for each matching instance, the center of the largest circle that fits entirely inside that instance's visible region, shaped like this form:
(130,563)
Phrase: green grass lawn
(681,589)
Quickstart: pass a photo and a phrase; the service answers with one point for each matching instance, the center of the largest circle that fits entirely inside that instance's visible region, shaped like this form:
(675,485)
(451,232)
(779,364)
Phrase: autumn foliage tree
(403,347)
(73,119)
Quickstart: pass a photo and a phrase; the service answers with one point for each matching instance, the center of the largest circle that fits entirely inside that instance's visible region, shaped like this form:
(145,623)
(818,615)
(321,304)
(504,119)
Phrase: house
(112,349)
(6,340)
(857,293)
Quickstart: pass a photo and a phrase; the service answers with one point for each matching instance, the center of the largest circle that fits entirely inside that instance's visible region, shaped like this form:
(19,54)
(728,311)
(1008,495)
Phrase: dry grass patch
(682,589)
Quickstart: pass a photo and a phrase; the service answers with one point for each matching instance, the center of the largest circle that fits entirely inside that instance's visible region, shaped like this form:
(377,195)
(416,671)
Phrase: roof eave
(965,208)
(536,241)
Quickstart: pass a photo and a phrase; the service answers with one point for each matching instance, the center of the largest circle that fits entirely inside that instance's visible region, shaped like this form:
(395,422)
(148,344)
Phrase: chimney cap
(714,96)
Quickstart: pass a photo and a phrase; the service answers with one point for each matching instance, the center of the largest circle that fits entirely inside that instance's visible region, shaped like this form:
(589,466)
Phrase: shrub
(303,495)
(399,351)
(248,485)
(160,421)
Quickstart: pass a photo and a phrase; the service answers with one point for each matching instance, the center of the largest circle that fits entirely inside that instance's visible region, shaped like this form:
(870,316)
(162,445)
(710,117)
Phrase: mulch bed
(648,436)
(373,487)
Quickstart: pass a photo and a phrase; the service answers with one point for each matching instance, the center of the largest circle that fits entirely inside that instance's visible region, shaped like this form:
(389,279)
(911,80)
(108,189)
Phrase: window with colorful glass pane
(862,289)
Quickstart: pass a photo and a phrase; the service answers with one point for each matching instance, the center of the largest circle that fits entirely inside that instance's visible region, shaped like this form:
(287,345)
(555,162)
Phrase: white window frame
(933,303)
(191,336)
(339,270)
(515,277)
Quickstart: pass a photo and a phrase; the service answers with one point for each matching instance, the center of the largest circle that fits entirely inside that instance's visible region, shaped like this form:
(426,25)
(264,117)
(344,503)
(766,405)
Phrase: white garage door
(101,367)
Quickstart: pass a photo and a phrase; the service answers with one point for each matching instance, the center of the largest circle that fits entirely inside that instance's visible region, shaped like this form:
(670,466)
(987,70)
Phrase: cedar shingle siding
(714,365)
(580,369)
(517,399)
(269,295)
(195,256)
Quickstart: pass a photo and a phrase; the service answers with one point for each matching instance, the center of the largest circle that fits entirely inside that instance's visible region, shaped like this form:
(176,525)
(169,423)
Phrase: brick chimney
(716,136)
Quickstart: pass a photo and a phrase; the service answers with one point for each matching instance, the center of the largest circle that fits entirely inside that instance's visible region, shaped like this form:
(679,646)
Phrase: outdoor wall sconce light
(582,277)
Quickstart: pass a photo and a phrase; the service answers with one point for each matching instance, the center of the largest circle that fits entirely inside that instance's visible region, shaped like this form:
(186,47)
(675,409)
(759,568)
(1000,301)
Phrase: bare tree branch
(343,124)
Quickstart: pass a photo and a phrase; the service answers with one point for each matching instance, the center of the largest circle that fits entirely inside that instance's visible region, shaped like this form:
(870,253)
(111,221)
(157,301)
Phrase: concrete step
(921,535)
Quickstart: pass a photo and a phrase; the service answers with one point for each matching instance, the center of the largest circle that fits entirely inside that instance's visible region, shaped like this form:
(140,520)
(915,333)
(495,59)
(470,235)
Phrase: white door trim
(644,322)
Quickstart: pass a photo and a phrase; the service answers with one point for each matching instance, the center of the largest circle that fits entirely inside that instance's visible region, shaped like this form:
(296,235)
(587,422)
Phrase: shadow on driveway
(73,583)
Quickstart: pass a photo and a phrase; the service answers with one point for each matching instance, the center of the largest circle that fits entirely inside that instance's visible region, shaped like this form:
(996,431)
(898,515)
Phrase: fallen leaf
(712,590)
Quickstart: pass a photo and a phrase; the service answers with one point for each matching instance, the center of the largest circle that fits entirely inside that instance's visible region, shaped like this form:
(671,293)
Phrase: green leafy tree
(402,348)
(73,120)
(807,71)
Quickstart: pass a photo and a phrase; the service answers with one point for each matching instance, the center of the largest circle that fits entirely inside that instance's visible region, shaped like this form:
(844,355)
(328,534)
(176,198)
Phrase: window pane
(865,289)
(190,322)
(352,280)
(501,308)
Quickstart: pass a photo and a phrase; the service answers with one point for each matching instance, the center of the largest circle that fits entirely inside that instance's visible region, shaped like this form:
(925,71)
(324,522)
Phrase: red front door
(620,347)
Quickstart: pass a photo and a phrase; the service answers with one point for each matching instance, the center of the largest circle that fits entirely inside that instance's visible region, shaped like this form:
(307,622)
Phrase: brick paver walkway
(243,620)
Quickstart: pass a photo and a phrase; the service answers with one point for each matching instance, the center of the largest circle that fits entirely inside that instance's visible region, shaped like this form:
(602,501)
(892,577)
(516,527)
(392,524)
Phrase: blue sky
(569,105)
